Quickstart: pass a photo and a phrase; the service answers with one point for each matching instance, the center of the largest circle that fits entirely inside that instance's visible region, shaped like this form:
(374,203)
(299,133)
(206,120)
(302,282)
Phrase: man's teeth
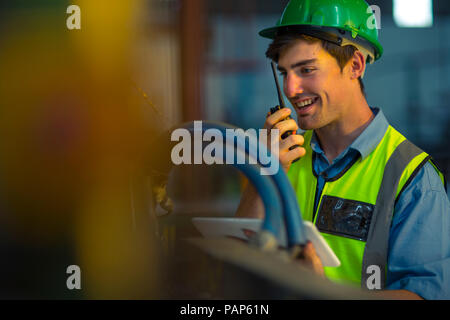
(304,103)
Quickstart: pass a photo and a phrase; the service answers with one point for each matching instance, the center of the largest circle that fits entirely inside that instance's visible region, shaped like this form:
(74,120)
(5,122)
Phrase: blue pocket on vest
(343,217)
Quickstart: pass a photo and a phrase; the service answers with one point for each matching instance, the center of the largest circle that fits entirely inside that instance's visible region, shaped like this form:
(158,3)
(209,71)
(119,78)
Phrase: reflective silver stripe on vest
(375,252)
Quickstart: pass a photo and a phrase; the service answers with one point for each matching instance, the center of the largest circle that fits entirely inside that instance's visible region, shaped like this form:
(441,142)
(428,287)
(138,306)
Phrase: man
(377,199)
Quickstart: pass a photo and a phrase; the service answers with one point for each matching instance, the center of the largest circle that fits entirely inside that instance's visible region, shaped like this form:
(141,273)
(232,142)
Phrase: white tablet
(243,228)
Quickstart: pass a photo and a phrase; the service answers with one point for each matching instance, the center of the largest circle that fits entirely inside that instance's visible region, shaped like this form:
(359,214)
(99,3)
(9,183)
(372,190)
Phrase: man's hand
(251,205)
(276,121)
(310,259)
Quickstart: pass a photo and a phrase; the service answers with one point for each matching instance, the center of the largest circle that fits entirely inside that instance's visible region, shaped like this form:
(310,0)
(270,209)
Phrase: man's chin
(306,125)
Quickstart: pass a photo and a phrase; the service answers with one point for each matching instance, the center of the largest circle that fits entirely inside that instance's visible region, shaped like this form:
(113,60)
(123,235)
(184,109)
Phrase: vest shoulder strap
(376,250)
(440,172)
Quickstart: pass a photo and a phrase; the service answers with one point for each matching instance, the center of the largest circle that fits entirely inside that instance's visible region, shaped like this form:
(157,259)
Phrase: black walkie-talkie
(280,106)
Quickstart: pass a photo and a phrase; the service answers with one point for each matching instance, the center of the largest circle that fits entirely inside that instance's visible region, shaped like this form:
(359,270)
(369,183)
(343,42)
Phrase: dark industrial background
(80,112)
(225,76)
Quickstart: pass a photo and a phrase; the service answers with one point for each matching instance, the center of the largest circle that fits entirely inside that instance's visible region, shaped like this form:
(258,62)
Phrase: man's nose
(292,85)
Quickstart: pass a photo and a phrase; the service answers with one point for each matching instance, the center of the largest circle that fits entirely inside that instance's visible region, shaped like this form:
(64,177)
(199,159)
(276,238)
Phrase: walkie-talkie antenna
(280,96)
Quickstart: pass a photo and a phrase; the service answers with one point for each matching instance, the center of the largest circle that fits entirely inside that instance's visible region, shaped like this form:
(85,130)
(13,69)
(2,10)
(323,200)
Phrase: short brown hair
(341,54)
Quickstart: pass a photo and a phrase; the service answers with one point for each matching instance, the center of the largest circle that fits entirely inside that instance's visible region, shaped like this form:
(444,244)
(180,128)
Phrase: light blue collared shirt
(419,240)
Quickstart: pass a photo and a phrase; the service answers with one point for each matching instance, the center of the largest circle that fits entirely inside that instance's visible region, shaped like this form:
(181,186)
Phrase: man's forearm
(251,205)
(397,295)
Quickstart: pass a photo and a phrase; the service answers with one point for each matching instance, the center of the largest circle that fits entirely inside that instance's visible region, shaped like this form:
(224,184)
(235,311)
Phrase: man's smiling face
(313,83)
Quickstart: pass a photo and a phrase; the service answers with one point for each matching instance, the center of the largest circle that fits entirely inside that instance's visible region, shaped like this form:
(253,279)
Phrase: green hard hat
(339,21)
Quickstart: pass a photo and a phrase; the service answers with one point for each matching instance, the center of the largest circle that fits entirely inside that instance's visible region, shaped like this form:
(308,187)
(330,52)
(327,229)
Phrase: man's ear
(357,65)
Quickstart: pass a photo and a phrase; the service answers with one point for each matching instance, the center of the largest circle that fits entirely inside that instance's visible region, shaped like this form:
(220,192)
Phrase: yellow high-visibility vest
(355,208)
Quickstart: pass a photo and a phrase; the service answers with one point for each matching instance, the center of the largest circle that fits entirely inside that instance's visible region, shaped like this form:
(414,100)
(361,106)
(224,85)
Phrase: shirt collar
(366,142)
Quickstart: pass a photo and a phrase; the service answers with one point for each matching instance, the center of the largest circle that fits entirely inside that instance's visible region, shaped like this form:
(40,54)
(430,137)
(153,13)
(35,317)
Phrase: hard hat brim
(314,31)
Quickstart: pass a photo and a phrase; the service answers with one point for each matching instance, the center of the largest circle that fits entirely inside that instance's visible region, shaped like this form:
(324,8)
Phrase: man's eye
(283,74)
(307,70)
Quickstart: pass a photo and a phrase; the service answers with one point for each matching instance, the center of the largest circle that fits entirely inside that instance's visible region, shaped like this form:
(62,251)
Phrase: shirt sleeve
(419,241)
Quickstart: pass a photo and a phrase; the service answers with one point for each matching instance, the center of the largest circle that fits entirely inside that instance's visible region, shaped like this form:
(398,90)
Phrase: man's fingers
(312,259)
(288,143)
(278,121)
(292,140)
(288,156)
(286,125)
(276,117)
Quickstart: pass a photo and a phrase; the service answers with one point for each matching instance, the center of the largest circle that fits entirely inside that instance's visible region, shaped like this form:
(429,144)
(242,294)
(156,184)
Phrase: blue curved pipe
(270,197)
(271,189)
